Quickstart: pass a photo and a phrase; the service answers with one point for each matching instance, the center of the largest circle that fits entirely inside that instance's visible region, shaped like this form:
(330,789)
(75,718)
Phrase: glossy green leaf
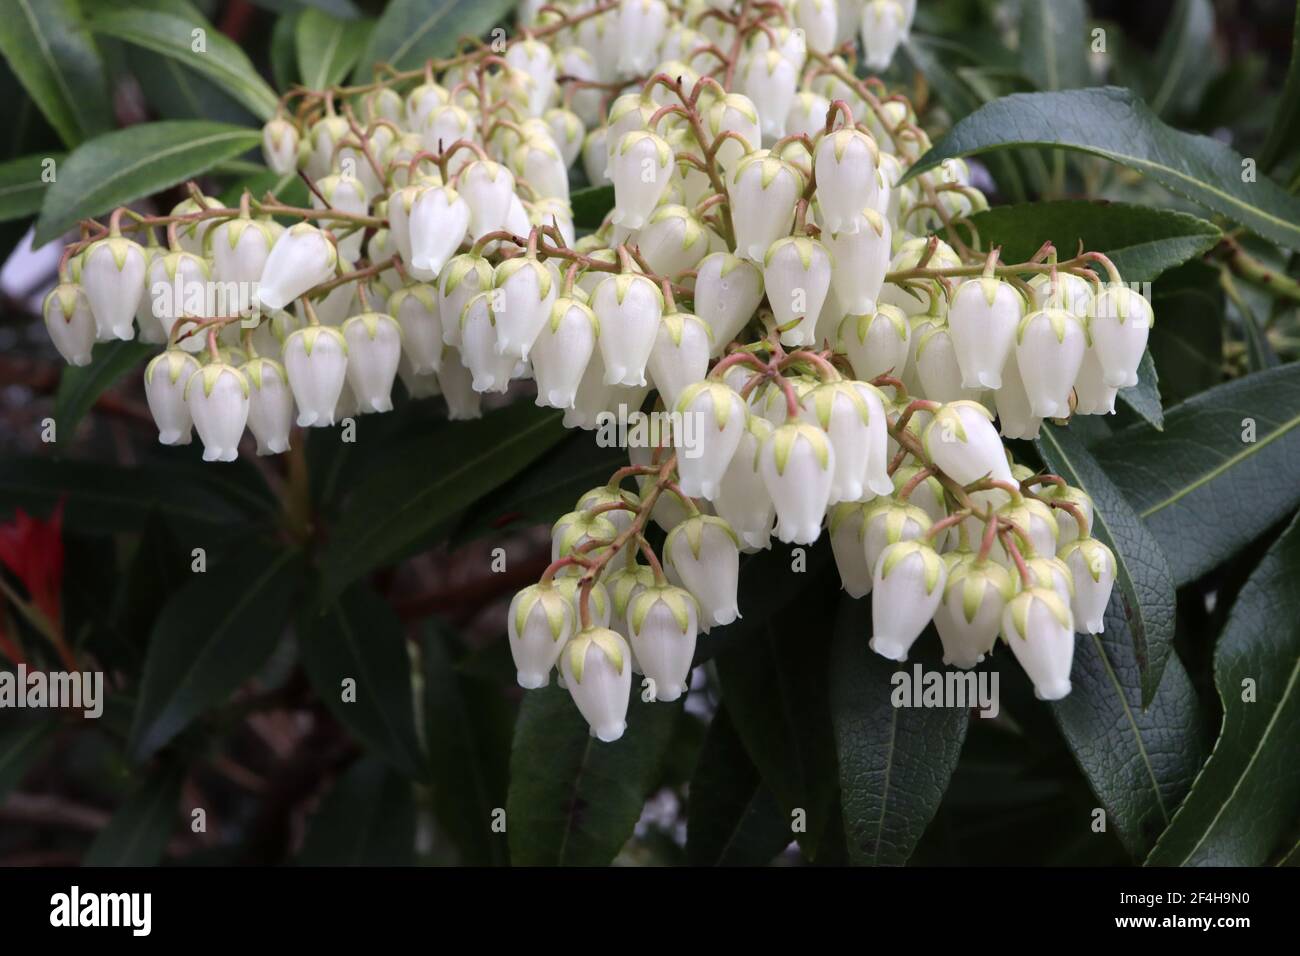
(1222,471)
(213,635)
(894,762)
(1180,73)
(1244,800)
(367,819)
(410,32)
(23,183)
(197,45)
(20,748)
(128,164)
(395,507)
(139,831)
(573,799)
(468,724)
(1114,124)
(356,658)
(1142,574)
(81,386)
(734,819)
(591,205)
(1188,351)
(1139,761)
(284,51)
(328,47)
(1143,241)
(48,48)
(1054,44)
(1284,132)
(1144,397)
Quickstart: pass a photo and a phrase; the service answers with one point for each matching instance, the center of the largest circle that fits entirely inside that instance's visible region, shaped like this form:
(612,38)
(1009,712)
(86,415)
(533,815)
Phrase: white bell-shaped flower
(539,162)
(962,441)
(323,138)
(672,240)
(713,420)
(580,530)
(884,24)
(597,670)
(623,585)
(568,132)
(422,100)
(562,351)
(1039,628)
(488,188)
(628,308)
(240,248)
(444,125)
(763,193)
(703,554)
(970,616)
(641,28)
(640,167)
(734,113)
(1015,418)
(769,79)
(374,349)
(876,343)
(523,295)
(1047,572)
(1066,523)
(70,323)
(907,585)
(680,356)
(280,145)
(889,521)
(1049,351)
(728,290)
(876,481)
(416,309)
(457,384)
(1119,327)
(937,371)
(797,276)
(217,396)
(982,321)
(346,193)
(492,371)
(439,220)
(846,164)
(847,525)
(165,379)
(539,624)
(817,19)
(928,496)
(112,277)
(798,465)
(863,258)
(178,283)
(301,259)
(1092,565)
(838,409)
(1038,521)
(663,622)
(315,359)
(1091,393)
(743,500)
(464,277)
(1064,290)
(807,114)
(270,404)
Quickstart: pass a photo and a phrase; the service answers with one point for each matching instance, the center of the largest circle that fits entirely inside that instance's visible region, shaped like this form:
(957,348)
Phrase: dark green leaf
(23,185)
(20,748)
(356,658)
(368,819)
(467,729)
(1188,350)
(574,800)
(1144,397)
(81,386)
(284,51)
(339,8)
(1112,123)
(412,31)
(894,762)
(48,48)
(1244,800)
(173,35)
(734,818)
(1142,573)
(130,163)
(159,568)
(177,93)
(590,206)
(1219,474)
(1053,44)
(212,636)
(1180,71)
(140,829)
(1140,762)
(393,508)
(327,47)
(1284,132)
(1143,241)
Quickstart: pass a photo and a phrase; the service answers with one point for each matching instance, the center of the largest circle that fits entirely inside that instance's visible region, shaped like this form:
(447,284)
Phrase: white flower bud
(663,621)
(817,19)
(982,321)
(577,529)
(323,137)
(719,417)
(1036,520)
(492,371)
(598,674)
(907,585)
(1092,568)
(847,526)
(1070,292)
(537,61)
(421,101)
(217,396)
(876,343)
(567,132)
(1015,418)
(347,194)
(165,378)
(1047,572)
(1067,525)
(524,294)
(439,220)
(177,287)
(797,276)
(240,248)
(464,277)
(937,371)
(962,441)
(456,382)
(807,114)
(112,277)
(301,259)
(1039,628)
(769,79)
(863,258)
(1049,351)
(540,622)
(970,616)
(562,351)
(889,521)
(680,356)
(763,193)
(623,585)
(70,323)
(735,113)
(727,292)
(743,500)
(416,309)
(847,179)
(374,349)
(1092,395)
(270,405)
(838,409)
(640,167)
(703,554)
(488,188)
(444,125)
(1119,327)
(884,24)
(672,241)
(628,308)
(315,359)
(798,464)
(280,145)
(641,28)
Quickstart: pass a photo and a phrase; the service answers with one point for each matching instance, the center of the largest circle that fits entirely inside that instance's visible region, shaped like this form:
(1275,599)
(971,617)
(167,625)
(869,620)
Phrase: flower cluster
(768,270)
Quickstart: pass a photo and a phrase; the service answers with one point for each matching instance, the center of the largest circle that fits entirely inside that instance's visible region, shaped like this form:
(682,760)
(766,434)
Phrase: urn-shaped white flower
(982,320)
(562,351)
(703,554)
(847,525)
(464,277)
(374,349)
(540,622)
(1092,566)
(769,79)
(280,145)
(492,371)
(863,258)
(70,323)
(743,500)
(713,420)
(797,464)
(763,191)
(270,404)
(416,309)
(1049,351)
(884,24)
(889,521)
(597,670)
(217,396)
(847,179)
(728,290)
(906,588)
(663,621)
(797,276)
(1016,419)
(640,167)
(838,409)
(1039,628)
(1119,327)
(680,357)
(525,291)
(439,220)
(628,307)
(315,359)
(488,188)
(962,441)
(876,343)
(112,276)
(970,617)
(165,379)
(301,259)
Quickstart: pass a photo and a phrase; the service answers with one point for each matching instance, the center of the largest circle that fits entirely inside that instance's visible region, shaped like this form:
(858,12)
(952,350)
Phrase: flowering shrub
(788,267)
